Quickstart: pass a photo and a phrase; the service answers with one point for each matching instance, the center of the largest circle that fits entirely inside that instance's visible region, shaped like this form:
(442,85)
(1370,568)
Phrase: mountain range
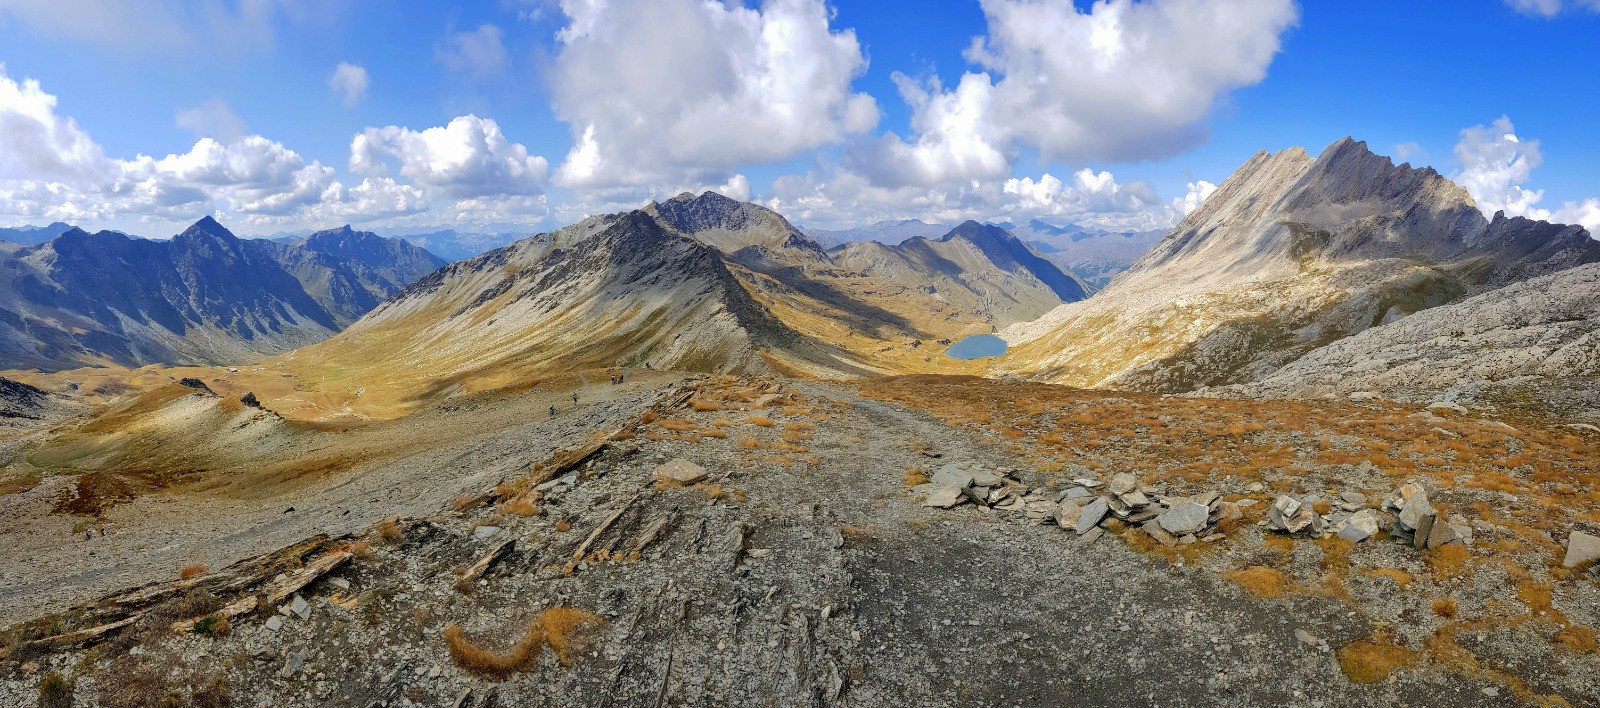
(204,296)
(696,282)
(1292,273)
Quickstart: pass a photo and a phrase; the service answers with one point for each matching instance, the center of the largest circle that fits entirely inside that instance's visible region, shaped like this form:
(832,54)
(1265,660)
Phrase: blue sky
(471,111)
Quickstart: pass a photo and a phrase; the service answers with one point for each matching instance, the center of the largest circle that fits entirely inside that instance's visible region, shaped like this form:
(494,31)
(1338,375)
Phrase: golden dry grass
(569,631)
(1577,639)
(525,505)
(703,406)
(1261,581)
(1373,659)
(717,433)
(760,420)
(916,476)
(389,530)
(491,664)
(192,571)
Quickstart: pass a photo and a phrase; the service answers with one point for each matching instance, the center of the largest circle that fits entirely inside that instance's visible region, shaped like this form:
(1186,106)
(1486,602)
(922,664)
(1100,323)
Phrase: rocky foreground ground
(911,541)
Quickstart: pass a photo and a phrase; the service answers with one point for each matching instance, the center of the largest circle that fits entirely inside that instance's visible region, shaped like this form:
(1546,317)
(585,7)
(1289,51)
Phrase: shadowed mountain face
(1010,254)
(349,272)
(1289,254)
(205,296)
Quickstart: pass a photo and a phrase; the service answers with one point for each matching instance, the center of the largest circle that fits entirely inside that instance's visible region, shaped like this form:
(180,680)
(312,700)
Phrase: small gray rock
(1122,483)
(680,471)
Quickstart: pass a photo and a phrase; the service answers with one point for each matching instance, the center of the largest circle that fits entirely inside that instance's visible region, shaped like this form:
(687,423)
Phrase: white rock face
(1290,253)
(1545,329)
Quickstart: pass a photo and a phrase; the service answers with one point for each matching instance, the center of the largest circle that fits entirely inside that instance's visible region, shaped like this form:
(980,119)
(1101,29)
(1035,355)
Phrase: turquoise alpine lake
(977,346)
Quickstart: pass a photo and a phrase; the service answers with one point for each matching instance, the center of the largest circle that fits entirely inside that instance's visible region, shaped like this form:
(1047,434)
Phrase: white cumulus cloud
(1496,165)
(1089,198)
(664,91)
(51,168)
(1120,80)
(467,158)
(349,83)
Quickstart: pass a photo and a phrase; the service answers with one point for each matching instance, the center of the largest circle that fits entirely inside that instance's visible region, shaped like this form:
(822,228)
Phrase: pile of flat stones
(1406,515)
(1171,520)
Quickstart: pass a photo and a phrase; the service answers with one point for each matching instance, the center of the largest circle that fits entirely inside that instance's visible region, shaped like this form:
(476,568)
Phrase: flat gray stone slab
(681,471)
(940,496)
(952,476)
(1184,518)
(1581,548)
(1090,516)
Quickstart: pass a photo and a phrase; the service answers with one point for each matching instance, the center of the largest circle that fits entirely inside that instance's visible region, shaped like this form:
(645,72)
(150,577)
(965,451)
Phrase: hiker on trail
(88,535)
(621,378)
(574,398)
(552,410)
(102,532)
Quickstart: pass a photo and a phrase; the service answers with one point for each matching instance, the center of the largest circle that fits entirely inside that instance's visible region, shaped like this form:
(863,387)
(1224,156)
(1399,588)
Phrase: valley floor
(807,569)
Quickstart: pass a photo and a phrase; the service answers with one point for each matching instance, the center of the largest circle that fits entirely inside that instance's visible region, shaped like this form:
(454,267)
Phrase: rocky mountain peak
(980,233)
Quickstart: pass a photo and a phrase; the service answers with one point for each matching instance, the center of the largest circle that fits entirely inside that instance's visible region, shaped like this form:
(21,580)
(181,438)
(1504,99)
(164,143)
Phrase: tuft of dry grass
(1445,607)
(563,526)
(1577,638)
(1400,577)
(760,420)
(703,406)
(1261,581)
(525,505)
(717,433)
(916,476)
(648,417)
(492,664)
(193,571)
(1448,561)
(722,423)
(1373,659)
(389,530)
(569,631)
